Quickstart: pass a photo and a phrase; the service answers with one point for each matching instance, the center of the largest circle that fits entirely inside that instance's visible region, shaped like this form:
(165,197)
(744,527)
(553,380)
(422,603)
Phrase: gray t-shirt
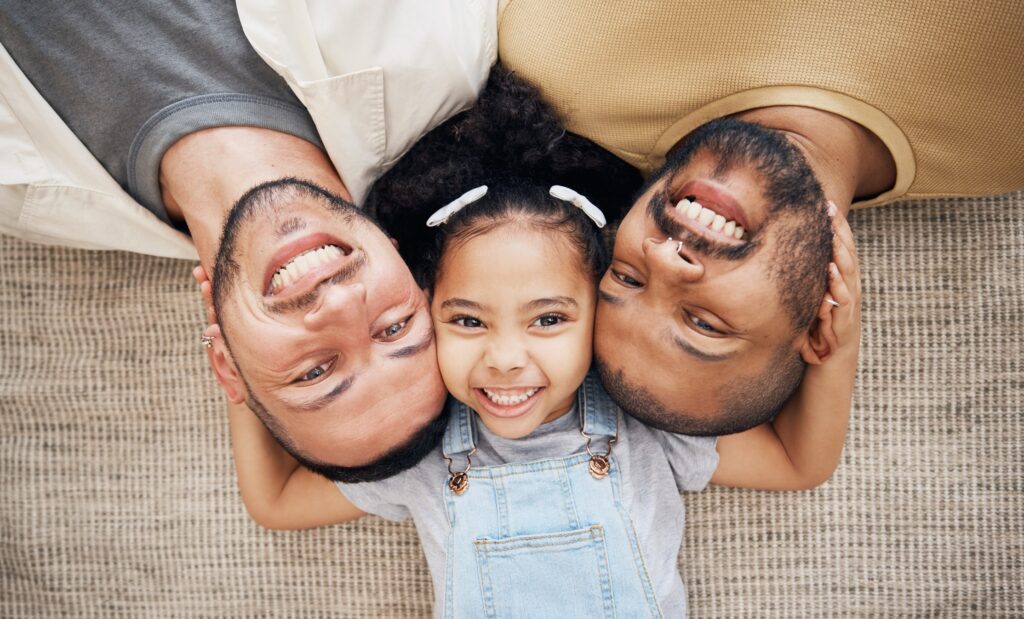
(131,77)
(656,466)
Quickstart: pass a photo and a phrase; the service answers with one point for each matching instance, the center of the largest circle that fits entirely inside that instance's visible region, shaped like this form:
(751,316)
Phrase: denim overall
(546,538)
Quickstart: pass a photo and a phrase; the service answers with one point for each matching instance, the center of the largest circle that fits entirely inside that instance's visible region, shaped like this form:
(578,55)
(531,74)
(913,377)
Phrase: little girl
(543,499)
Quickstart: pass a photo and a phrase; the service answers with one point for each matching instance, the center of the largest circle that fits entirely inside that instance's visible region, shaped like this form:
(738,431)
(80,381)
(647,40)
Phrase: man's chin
(393,462)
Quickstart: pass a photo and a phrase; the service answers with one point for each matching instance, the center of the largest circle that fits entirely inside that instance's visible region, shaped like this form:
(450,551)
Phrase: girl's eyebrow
(461,303)
(550,301)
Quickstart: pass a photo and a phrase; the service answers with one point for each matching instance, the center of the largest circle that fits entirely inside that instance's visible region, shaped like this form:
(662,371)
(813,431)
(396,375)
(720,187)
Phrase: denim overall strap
(598,414)
(460,435)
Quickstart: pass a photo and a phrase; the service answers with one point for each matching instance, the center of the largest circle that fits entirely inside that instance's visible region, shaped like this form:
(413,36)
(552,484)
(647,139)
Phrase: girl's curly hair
(510,137)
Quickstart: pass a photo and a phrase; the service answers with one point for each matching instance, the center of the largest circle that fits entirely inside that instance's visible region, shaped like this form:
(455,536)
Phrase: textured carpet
(119,497)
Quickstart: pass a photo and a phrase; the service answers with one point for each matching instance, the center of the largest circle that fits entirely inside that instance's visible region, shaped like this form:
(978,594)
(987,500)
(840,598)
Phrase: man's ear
(223,365)
(820,340)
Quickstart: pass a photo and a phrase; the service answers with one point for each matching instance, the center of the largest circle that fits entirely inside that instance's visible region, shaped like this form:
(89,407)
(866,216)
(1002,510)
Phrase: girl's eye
(467,321)
(315,373)
(549,320)
(391,332)
(626,280)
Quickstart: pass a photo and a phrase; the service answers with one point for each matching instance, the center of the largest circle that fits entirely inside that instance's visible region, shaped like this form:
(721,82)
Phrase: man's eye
(467,322)
(315,373)
(391,332)
(703,325)
(625,280)
(549,320)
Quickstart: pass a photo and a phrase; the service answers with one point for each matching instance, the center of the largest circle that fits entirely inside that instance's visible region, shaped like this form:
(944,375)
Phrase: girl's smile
(508,403)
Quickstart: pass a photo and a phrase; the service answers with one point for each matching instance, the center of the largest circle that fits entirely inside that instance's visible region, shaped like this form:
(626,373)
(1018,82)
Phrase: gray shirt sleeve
(377,497)
(693,459)
(417,489)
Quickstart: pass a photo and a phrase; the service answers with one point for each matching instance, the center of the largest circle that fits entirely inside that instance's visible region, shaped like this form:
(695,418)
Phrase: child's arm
(801,447)
(277,491)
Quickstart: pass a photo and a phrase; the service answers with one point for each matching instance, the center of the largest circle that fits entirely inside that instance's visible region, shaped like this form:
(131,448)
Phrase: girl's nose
(672,261)
(505,354)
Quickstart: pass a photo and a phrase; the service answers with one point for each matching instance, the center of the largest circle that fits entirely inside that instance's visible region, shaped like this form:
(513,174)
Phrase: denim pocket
(561,574)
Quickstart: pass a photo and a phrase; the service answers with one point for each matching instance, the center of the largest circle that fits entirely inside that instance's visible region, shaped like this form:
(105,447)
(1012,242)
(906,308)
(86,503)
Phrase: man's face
(330,331)
(689,325)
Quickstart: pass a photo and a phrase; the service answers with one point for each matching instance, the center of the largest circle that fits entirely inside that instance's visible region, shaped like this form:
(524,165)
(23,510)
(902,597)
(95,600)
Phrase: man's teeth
(508,399)
(302,264)
(708,218)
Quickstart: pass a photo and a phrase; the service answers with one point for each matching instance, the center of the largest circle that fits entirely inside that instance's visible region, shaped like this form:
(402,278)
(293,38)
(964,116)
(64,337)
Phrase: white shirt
(374,75)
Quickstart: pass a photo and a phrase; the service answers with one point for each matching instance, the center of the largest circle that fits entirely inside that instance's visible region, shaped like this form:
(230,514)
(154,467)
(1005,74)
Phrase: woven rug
(119,498)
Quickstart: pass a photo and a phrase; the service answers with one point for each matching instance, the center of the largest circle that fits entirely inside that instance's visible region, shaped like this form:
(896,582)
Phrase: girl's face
(513,316)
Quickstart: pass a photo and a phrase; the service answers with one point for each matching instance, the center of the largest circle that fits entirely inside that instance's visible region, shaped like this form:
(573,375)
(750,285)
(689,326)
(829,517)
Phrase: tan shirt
(941,82)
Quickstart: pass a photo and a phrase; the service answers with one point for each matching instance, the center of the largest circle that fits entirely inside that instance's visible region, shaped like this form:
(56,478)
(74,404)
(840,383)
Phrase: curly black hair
(510,139)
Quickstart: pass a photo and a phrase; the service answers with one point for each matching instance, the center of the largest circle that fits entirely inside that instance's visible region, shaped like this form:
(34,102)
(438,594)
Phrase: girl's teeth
(718,223)
(693,210)
(510,400)
(706,215)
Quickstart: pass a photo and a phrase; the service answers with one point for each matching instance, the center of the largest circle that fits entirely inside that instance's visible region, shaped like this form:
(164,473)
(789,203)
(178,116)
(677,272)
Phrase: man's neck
(203,174)
(850,161)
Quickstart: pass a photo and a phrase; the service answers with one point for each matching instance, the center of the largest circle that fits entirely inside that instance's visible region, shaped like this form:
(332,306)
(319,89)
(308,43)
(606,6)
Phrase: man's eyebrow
(461,303)
(537,304)
(609,298)
(696,352)
(413,349)
(327,398)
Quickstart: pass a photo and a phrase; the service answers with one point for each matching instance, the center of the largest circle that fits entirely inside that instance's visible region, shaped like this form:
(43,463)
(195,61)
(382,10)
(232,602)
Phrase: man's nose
(672,261)
(505,353)
(341,307)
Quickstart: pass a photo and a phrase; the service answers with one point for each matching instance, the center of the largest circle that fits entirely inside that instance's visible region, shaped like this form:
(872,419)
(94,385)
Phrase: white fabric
(375,76)
(53,191)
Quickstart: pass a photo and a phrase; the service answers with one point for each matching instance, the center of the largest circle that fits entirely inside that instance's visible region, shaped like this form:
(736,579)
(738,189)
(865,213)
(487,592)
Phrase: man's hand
(206,291)
(839,313)
(800,448)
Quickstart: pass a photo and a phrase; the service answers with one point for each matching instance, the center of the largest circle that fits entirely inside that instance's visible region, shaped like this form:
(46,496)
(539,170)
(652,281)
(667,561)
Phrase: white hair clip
(581,202)
(442,214)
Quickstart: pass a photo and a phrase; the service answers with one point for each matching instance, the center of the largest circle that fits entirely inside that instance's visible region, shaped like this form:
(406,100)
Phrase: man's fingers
(206,290)
(841,226)
(827,327)
(199,274)
(837,286)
